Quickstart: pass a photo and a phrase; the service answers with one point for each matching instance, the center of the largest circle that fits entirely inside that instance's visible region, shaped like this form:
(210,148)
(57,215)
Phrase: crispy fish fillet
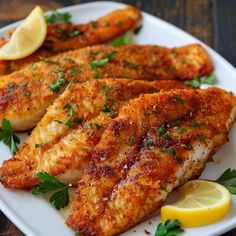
(174,135)
(25,94)
(65,151)
(64,37)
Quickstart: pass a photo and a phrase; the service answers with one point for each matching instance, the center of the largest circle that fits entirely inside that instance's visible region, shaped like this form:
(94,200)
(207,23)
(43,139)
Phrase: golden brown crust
(65,150)
(58,37)
(127,181)
(127,62)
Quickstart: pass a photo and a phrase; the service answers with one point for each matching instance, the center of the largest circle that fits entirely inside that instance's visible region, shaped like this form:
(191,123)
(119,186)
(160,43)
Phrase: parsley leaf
(121,41)
(55,85)
(98,63)
(197,82)
(8,137)
(60,199)
(228,180)
(169,228)
(58,18)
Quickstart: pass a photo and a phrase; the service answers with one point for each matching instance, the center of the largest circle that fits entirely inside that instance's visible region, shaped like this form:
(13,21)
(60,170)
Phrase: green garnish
(167,135)
(9,88)
(98,63)
(97,75)
(69,60)
(58,18)
(228,180)
(169,228)
(73,70)
(162,130)
(138,29)
(77,120)
(98,126)
(105,89)
(174,52)
(74,80)
(195,124)
(149,143)
(132,65)
(177,122)
(23,84)
(201,138)
(33,66)
(163,150)
(93,24)
(69,108)
(179,160)
(178,98)
(74,33)
(39,145)
(8,137)
(188,146)
(121,41)
(26,93)
(197,82)
(172,151)
(106,108)
(180,130)
(173,68)
(132,140)
(60,198)
(55,85)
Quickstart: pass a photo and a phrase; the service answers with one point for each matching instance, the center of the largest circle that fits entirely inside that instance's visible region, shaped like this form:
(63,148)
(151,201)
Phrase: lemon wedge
(201,203)
(27,38)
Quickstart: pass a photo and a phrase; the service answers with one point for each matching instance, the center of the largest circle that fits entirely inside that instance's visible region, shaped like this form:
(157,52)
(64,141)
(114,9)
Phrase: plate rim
(18,221)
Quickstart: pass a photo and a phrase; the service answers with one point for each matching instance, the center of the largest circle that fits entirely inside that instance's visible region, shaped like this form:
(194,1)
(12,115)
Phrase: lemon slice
(201,202)
(27,38)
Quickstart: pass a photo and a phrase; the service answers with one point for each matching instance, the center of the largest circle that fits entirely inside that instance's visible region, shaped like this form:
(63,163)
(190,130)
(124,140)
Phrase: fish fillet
(65,152)
(175,134)
(60,37)
(25,94)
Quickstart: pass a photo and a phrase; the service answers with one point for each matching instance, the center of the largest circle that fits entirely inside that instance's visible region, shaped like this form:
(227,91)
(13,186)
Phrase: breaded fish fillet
(25,94)
(174,135)
(62,150)
(64,37)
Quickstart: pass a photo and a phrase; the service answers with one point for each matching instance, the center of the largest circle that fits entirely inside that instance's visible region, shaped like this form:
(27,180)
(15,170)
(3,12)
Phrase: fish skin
(125,183)
(64,155)
(127,62)
(58,37)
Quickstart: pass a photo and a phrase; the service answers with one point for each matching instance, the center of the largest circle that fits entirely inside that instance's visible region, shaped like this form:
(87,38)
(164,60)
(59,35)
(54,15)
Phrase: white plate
(35,216)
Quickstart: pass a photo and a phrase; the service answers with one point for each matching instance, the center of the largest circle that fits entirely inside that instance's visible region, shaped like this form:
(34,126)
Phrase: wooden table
(212,21)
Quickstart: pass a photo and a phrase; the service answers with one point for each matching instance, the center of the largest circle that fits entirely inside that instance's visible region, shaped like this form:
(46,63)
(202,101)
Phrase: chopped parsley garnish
(105,89)
(121,41)
(39,145)
(8,137)
(55,85)
(177,122)
(73,70)
(188,146)
(228,180)
(132,140)
(163,150)
(49,183)
(138,29)
(98,126)
(172,151)
(197,82)
(58,121)
(106,108)
(174,52)
(9,88)
(85,149)
(173,68)
(180,130)
(26,93)
(58,18)
(195,124)
(202,138)
(45,59)
(97,75)
(167,135)
(149,143)
(163,188)
(33,66)
(112,101)
(77,120)
(169,228)
(112,113)
(74,80)
(69,108)
(132,65)
(98,63)
(111,55)
(23,84)
(69,60)
(179,160)
(178,98)
(93,24)
(74,33)
(162,130)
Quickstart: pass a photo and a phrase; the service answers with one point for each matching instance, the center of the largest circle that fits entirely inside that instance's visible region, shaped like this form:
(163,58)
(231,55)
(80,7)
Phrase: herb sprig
(58,18)
(228,180)
(60,198)
(121,41)
(197,82)
(8,137)
(169,228)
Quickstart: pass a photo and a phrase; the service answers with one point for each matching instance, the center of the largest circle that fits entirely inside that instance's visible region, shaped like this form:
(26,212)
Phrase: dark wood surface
(212,21)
